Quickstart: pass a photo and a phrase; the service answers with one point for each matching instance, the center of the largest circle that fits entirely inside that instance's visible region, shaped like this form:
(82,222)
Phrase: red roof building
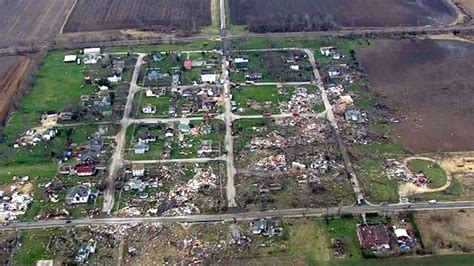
(188,64)
(84,170)
(374,237)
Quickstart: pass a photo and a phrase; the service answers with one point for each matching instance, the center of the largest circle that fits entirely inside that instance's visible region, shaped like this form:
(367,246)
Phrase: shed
(70,58)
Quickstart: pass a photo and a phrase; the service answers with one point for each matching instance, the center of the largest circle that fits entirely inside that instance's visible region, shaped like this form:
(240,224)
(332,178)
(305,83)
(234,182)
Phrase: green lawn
(344,44)
(156,148)
(260,99)
(34,246)
(377,186)
(162,104)
(454,192)
(274,67)
(57,86)
(432,170)
(344,228)
(364,98)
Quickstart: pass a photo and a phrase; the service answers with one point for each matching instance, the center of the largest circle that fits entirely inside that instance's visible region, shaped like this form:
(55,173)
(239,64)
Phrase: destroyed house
(373,237)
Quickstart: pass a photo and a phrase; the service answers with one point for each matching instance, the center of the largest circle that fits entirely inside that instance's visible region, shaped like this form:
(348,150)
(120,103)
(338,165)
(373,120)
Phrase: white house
(138,170)
(114,79)
(70,58)
(92,51)
(208,76)
(78,195)
(327,51)
(334,72)
(295,67)
(149,109)
(150,93)
(240,60)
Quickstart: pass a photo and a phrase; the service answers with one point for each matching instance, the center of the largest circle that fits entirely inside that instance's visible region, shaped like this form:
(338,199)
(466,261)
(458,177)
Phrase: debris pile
(15,202)
(179,197)
(272,163)
(399,171)
(301,102)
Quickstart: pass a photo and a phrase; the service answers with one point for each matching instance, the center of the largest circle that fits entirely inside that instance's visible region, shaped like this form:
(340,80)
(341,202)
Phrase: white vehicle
(433,201)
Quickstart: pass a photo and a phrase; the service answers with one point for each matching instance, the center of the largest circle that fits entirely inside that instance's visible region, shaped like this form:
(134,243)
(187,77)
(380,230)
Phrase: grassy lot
(162,104)
(34,245)
(57,86)
(369,168)
(194,45)
(432,170)
(156,148)
(258,99)
(454,192)
(344,228)
(308,242)
(364,98)
(273,67)
(343,44)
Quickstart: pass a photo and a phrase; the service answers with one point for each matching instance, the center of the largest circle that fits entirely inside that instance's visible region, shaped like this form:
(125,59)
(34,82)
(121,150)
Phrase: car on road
(433,201)
(360,202)
(68,221)
(383,203)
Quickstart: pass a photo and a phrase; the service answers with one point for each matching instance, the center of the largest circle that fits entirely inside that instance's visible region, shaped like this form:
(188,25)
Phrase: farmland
(94,15)
(29,20)
(12,69)
(311,15)
(429,86)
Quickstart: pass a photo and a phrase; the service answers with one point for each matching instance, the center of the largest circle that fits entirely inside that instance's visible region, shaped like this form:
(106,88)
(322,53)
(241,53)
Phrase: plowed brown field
(431,84)
(31,20)
(97,15)
(299,15)
(11,71)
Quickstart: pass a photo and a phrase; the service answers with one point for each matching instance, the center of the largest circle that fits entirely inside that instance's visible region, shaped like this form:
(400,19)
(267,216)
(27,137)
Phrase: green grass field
(263,99)
(57,86)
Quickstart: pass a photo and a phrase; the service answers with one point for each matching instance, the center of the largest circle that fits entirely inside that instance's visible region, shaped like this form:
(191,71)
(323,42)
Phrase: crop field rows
(314,15)
(94,15)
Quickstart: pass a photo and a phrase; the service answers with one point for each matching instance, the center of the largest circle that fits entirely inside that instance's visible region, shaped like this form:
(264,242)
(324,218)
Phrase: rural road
(120,139)
(353,32)
(244,216)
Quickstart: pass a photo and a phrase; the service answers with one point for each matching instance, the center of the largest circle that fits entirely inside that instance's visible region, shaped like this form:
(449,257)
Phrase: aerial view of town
(236,132)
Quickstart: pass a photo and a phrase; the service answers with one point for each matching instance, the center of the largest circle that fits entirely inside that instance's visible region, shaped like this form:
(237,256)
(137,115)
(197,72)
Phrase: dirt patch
(304,15)
(29,20)
(445,232)
(11,72)
(429,84)
(95,15)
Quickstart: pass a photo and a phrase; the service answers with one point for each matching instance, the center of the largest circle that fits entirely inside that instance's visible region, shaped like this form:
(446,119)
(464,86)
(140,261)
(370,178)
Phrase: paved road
(77,42)
(117,156)
(244,216)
